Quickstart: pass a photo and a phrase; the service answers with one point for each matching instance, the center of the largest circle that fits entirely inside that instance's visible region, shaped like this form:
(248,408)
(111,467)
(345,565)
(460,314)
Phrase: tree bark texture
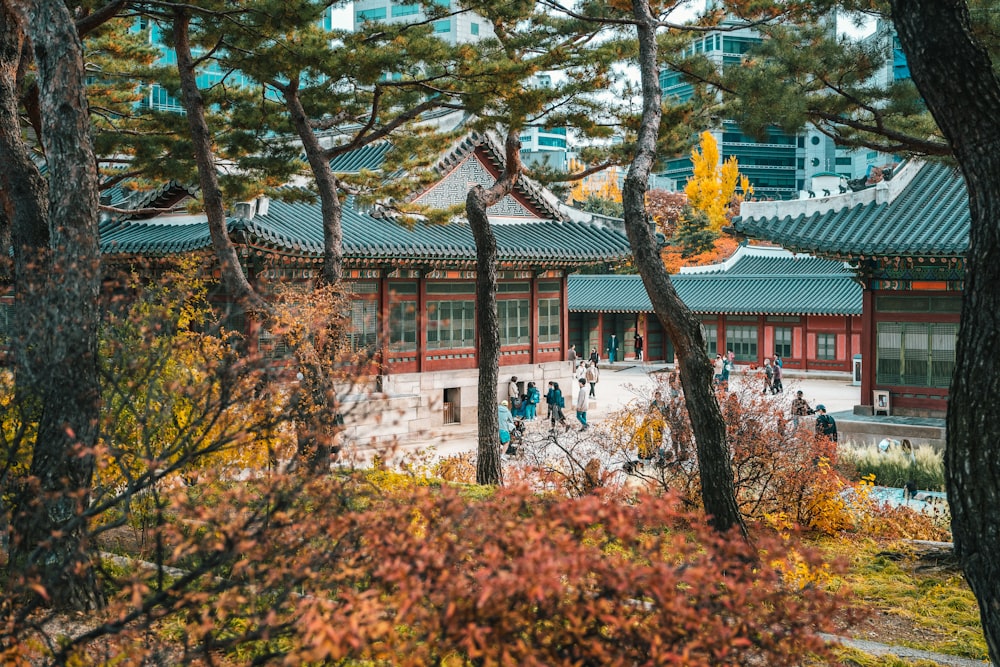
(684,329)
(233,278)
(963,94)
(50,531)
(488,468)
(23,191)
(326,183)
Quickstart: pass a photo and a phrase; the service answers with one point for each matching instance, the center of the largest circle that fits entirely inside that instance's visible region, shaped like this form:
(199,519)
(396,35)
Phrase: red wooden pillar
(421,321)
(868,342)
(564,316)
(533,320)
(384,353)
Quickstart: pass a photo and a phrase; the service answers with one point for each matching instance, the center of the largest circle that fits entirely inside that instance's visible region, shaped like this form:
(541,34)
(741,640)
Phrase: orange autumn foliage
(723,248)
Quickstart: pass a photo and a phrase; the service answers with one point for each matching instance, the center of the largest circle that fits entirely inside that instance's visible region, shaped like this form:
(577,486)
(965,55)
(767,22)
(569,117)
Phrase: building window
(273,347)
(711,333)
(373,14)
(513,317)
(549,314)
(916,354)
(742,340)
(403,326)
(405,10)
(442,26)
(474,28)
(364,325)
(783,342)
(826,346)
(451,324)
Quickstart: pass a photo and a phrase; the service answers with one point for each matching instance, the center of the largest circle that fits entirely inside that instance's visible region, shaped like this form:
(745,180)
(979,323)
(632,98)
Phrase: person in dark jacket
(825,424)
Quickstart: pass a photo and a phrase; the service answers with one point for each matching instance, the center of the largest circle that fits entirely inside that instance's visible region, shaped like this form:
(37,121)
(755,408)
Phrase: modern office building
(461,26)
(779,166)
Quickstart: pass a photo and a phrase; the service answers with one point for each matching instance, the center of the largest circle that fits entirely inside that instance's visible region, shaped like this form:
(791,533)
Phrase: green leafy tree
(694,233)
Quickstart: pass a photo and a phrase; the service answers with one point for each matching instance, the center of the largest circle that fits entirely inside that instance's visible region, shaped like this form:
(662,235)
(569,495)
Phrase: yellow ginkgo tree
(712,189)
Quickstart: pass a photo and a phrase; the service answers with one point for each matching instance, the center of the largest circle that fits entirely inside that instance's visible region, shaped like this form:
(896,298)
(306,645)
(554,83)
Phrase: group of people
(610,351)
(825,424)
(722,367)
(523,405)
(772,375)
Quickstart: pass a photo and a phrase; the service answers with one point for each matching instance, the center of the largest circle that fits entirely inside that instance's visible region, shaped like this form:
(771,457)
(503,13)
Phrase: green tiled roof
(750,286)
(929,217)
(368,157)
(296,228)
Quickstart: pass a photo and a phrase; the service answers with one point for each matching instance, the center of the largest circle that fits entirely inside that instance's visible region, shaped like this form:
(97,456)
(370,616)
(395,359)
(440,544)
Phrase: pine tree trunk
(963,94)
(326,183)
(49,526)
(683,328)
(488,468)
(233,279)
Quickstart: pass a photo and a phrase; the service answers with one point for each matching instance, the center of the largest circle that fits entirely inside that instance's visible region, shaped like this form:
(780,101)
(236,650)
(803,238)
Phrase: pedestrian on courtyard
(717,369)
(593,377)
(612,348)
(800,408)
(825,424)
(594,356)
(674,382)
(514,394)
(556,405)
(581,372)
(571,357)
(727,368)
(776,386)
(549,394)
(581,404)
(768,375)
(531,402)
(638,347)
(506,420)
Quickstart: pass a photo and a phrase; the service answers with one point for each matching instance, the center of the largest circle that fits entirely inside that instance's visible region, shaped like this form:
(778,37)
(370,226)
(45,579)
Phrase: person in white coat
(581,404)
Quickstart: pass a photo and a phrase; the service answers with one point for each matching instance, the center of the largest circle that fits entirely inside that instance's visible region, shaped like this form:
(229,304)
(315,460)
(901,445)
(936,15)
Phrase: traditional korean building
(760,302)
(413,287)
(906,239)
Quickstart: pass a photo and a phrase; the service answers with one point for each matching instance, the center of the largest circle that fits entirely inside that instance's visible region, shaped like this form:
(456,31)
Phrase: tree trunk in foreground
(684,329)
(49,527)
(488,468)
(963,94)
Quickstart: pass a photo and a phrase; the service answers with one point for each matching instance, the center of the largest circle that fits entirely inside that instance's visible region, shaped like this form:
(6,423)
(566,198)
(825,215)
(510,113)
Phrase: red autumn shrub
(779,469)
(334,572)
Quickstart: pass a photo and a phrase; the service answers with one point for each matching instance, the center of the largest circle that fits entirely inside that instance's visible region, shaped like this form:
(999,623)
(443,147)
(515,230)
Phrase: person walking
(556,405)
(594,356)
(776,386)
(612,348)
(727,368)
(571,357)
(581,404)
(768,375)
(638,346)
(825,424)
(532,399)
(593,377)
